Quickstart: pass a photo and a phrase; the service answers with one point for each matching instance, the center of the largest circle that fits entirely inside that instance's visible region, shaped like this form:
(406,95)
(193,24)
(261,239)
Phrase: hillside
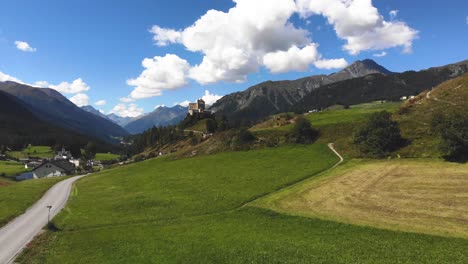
(379,87)
(19,126)
(361,82)
(50,106)
(416,115)
(271,97)
(161,116)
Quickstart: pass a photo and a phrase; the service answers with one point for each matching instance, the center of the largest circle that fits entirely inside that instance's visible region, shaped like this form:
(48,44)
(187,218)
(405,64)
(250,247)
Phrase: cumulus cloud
(161,73)
(126,100)
(24,46)
(381,54)
(163,37)
(210,98)
(256,34)
(80,99)
(77,86)
(393,14)
(331,64)
(131,110)
(100,103)
(294,59)
(5,78)
(360,24)
(240,41)
(184,103)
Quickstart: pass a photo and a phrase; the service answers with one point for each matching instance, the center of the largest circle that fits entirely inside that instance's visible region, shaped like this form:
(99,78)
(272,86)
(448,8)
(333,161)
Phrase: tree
(90,151)
(211,125)
(379,136)
(453,132)
(303,132)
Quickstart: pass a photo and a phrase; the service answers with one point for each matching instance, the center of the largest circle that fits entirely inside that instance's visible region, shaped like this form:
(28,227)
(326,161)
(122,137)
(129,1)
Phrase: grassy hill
(194,211)
(416,115)
(335,125)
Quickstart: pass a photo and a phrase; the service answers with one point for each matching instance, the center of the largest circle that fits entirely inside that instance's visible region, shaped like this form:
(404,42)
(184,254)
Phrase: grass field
(16,197)
(192,211)
(335,125)
(11,168)
(426,196)
(33,151)
(106,156)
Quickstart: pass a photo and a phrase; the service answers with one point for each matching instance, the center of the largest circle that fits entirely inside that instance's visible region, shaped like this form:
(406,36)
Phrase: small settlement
(62,164)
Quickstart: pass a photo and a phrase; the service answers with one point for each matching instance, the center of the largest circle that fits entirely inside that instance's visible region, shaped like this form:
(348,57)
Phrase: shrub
(453,132)
(379,136)
(303,133)
(242,137)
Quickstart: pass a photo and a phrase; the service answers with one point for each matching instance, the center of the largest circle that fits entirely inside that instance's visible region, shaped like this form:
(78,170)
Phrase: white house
(53,168)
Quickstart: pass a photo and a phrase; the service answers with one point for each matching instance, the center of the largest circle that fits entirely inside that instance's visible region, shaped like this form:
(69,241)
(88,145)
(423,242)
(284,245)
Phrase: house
(48,169)
(197,108)
(63,155)
(32,164)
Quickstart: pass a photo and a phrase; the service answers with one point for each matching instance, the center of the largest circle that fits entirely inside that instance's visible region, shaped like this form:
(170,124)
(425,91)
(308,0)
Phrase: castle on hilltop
(197,108)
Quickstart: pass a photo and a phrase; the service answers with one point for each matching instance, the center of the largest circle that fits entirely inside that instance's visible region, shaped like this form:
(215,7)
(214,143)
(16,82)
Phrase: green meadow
(33,151)
(106,156)
(196,210)
(16,197)
(11,168)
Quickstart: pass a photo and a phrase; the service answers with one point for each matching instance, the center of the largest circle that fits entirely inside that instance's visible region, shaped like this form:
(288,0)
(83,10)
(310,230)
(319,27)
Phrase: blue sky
(103,44)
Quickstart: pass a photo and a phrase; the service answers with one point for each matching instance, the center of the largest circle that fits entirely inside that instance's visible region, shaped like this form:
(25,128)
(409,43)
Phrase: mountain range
(51,107)
(362,81)
(19,126)
(119,120)
(161,116)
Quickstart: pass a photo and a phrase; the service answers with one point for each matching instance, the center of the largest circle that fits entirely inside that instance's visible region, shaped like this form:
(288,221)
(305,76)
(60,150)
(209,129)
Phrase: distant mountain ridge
(354,84)
(119,120)
(271,97)
(19,126)
(161,116)
(52,107)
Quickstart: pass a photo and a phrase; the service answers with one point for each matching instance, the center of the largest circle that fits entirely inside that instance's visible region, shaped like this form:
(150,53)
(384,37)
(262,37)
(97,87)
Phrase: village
(61,164)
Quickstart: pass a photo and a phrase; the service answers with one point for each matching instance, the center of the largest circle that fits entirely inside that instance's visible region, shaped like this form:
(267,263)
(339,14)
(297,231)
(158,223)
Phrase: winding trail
(21,230)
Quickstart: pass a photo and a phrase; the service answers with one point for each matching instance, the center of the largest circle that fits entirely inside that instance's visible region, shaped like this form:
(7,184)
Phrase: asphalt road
(20,231)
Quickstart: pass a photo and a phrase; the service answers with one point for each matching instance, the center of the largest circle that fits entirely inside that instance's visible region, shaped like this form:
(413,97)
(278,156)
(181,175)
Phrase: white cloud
(393,14)
(100,102)
(210,98)
(161,73)
(294,59)
(77,86)
(24,46)
(126,100)
(381,54)
(156,107)
(184,103)
(131,110)
(80,99)
(331,64)
(163,36)
(236,43)
(5,77)
(360,24)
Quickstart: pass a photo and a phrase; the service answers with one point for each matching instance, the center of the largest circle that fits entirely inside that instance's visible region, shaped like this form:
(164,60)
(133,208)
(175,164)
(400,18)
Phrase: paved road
(19,232)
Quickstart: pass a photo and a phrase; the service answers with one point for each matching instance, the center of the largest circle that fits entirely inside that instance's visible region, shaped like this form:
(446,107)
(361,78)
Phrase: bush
(242,137)
(379,136)
(453,132)
(303,133)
